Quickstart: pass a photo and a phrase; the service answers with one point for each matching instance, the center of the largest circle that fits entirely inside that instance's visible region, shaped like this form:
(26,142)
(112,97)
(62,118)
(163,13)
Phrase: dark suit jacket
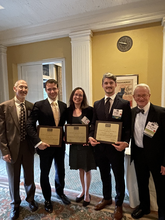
(88,112)
(154,147)
(119,103)
(10,130)
(42,112)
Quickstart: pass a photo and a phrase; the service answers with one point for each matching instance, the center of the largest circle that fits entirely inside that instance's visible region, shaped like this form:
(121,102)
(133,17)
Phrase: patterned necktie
(55,112)
(107,107)
(22,122)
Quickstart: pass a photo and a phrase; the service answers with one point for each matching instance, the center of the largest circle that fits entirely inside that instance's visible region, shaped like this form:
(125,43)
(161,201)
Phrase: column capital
(81,35)
(3,49)
(163,21)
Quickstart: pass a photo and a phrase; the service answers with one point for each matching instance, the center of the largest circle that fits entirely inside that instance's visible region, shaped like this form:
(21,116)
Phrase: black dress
(81,157)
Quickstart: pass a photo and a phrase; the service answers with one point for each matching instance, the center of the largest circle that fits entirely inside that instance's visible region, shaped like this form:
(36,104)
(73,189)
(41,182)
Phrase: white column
(82,61)
(4,91)
(163,66)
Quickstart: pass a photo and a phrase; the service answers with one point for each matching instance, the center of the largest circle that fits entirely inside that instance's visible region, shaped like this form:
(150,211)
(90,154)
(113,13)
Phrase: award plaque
(51,135)
(108,132)
(76,134)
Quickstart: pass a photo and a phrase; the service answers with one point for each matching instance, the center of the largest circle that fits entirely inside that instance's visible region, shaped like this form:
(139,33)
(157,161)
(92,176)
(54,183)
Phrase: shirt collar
(17,101)
(50,101)
(146,107)
(112,97)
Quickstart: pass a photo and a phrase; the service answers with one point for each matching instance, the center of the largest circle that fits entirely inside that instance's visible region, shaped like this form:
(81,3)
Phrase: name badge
(151,129)
(85,120)
(117,113)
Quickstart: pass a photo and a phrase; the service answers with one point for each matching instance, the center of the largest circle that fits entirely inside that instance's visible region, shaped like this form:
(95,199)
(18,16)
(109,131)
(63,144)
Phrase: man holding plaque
(148,150)
(109,155)
(49,112)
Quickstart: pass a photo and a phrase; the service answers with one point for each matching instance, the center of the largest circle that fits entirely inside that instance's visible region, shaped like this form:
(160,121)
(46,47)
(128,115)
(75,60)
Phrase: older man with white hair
(148,150)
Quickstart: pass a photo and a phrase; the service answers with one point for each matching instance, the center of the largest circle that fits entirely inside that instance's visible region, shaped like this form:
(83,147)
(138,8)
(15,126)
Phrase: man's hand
(120,146)
(43,146)
(7,158)
(162,170)
(93,142)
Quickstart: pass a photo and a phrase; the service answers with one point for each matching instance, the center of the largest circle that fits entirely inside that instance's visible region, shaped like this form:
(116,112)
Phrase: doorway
(37,73)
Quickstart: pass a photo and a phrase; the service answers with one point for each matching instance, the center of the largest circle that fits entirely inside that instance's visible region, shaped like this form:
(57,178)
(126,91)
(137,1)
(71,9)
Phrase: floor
(72,184)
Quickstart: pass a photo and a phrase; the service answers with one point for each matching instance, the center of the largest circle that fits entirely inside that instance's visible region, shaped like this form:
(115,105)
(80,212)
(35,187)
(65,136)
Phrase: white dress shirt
(139,126)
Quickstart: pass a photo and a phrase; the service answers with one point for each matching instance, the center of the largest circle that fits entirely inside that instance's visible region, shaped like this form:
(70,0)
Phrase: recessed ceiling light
(1,7)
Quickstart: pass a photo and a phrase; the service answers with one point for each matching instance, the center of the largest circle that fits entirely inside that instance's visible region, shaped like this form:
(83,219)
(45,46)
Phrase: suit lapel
(134,110)
(13,113)
(151,114)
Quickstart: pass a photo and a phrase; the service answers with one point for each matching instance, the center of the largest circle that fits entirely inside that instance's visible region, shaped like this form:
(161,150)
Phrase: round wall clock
(124,43)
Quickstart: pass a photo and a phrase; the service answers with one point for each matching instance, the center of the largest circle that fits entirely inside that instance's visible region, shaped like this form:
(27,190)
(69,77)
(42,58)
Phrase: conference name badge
(117,113)
(151,129)
(85,120)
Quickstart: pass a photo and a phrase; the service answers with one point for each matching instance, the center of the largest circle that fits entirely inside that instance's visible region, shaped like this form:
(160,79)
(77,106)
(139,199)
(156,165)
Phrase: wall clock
(124,43)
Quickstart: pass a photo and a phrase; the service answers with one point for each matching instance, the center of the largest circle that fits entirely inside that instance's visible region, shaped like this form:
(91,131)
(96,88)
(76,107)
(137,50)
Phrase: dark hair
(84,103)
(110,76)
(51,81)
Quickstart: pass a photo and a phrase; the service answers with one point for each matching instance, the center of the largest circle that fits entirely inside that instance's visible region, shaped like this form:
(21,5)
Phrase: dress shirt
(18,107)
(139,126)
(111,100)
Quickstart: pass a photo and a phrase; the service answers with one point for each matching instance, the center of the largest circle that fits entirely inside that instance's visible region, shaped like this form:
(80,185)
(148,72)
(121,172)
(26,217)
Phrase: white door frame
(52,60)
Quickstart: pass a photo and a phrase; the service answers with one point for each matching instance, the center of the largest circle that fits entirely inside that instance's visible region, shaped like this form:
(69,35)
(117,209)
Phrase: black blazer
(119,103)
(42,112)
(88,112)
(154,147)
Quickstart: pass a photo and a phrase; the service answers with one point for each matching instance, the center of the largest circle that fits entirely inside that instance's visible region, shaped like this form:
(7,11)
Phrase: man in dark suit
(16,149)
(115,109)
(49,112)
(148,150)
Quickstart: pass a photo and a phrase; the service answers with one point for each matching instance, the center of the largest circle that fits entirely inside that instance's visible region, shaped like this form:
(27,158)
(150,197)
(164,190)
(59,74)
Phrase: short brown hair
(51,81)
(110,76)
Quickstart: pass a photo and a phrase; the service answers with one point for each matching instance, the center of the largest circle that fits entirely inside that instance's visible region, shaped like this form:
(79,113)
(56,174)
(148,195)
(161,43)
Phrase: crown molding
(66,28)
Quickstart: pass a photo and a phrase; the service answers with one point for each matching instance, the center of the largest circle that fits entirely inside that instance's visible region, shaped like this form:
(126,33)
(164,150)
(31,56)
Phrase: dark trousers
(26,159)
(107,158)
(143,169)
(45,165)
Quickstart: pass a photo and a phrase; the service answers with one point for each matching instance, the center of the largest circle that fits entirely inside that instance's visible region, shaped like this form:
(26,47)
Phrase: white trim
(63,28)
(163,66)
(4,91)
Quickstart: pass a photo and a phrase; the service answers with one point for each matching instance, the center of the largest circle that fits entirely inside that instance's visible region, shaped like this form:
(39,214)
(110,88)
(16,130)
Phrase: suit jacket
(154,147)
(42,112)
(119,103)
(88,112)
(10,130)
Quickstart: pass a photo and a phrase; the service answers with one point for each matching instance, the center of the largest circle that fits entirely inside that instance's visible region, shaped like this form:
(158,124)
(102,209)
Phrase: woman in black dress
(81,156)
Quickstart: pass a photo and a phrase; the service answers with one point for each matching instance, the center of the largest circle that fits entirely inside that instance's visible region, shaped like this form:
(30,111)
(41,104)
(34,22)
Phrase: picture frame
(125,87)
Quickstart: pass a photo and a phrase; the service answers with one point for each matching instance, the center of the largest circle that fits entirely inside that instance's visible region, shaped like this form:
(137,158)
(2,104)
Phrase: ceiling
(25,21)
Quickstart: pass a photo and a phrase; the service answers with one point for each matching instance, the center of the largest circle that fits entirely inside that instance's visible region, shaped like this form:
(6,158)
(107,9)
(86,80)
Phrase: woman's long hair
(84,103)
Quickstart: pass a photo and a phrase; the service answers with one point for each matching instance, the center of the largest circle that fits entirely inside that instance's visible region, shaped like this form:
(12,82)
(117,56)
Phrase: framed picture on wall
(125,87)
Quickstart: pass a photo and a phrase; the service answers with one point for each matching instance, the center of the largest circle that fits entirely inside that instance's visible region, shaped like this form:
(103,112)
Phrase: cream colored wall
(144,58)
(57,48)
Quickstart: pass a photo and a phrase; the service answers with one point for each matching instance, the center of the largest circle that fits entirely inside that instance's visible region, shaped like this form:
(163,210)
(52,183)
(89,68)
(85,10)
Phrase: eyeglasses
(141,96)
(21,87)
(78,95)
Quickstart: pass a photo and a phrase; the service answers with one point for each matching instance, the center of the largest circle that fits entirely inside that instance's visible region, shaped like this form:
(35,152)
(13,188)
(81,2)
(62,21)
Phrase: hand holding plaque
(51,135)
(108,131)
